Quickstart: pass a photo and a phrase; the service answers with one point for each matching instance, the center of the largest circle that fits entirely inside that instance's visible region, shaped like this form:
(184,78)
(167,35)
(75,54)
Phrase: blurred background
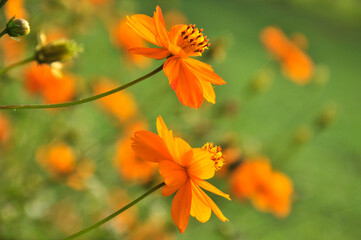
(288,120)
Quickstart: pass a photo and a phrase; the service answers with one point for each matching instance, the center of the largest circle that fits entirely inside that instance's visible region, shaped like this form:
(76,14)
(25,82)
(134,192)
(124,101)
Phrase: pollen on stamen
(217,156)
(192,40)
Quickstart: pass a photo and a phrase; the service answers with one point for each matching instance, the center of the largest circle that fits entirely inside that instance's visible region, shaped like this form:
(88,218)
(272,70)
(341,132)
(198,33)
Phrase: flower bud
(17,27)
(57,51)
(327,116)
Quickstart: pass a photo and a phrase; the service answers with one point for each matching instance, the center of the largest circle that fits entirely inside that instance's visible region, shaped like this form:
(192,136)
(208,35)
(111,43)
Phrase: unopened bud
(17,27)
(57,51)
(327,116)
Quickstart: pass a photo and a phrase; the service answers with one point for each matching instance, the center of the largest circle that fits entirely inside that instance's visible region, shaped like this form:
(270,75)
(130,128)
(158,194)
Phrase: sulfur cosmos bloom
(184,170)
(191,79)
(5,129)
(268,190)
(51,85)
(296,65)
(58,158)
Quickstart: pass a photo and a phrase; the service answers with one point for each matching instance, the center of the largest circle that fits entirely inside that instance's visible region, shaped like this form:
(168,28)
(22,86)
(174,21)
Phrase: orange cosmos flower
(189,78)
(121,104)
(184,170)
(268,190)
(12,51)
(59,158)
(126,39)
(296,65)
(4,129)
(54,88)
(130,166)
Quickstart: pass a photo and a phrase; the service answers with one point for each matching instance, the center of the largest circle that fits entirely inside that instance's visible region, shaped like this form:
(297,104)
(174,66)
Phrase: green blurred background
(325,169)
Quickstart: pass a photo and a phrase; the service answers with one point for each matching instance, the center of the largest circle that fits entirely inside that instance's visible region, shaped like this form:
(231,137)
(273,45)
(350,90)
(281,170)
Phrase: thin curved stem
(84,100)
(2,3)
(22,62)
(5,31)
(101,222)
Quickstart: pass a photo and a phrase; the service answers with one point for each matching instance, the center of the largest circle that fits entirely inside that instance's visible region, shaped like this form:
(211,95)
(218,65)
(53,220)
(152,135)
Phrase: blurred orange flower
(12,51)
(296,65)
(59,158)
(125,39)
(15,8)
(130,166)
(54,88)
(121,104)
(184,170)
(60,161)
(268,190)
(4,129)
(189,78)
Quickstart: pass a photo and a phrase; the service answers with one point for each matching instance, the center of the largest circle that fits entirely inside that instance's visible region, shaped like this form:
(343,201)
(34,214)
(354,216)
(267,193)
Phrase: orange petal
(168,190)
(144,26)
(212,205)
(156,53)
(181,206)
(275,41)
(189,90)
(208,91)
(160,27)
(199,207)
(187,87)
(201,165)
(297,66)
(175,31)
(178,148)
(174,35)
(170,68)
(203,71)
(150,147)
(209,187)
(173,174)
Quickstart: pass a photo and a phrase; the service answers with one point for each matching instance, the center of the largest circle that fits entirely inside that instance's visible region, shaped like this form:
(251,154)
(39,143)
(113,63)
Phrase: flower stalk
(101,222)
(84,100)
(2,3)
(22,62)
(3,32)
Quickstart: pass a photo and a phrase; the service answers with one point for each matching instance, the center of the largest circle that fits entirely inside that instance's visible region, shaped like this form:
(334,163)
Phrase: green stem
(27,60)
(5,31)
(84,100)
(88,229)
(2,3)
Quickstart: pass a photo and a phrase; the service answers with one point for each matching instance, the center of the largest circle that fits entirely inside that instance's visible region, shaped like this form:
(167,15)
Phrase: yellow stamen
(192,40)
(217,155)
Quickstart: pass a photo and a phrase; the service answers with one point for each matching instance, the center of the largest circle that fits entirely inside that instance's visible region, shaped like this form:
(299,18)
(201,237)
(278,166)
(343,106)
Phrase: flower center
(192,41)
(217,155)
